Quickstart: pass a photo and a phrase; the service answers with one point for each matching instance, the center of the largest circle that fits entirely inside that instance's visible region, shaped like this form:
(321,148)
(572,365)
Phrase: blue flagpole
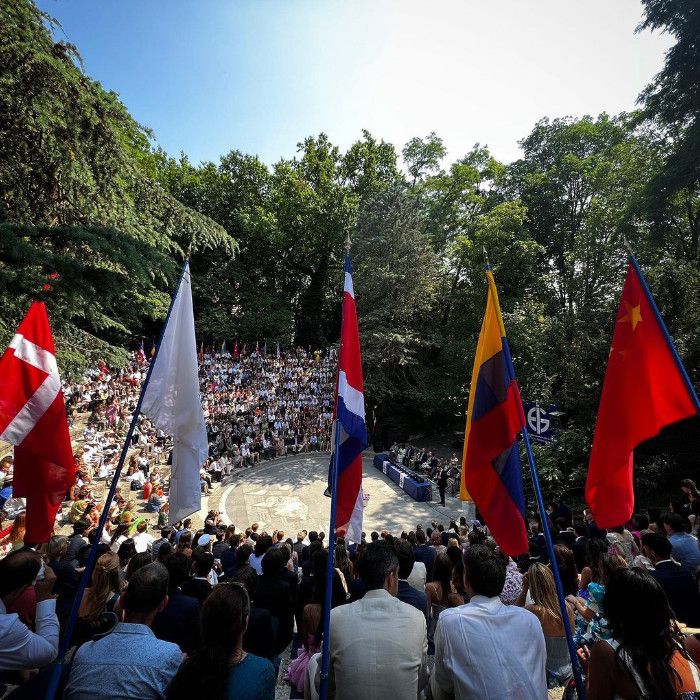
(87,573)
(580,687)
(326,651)
(667,335)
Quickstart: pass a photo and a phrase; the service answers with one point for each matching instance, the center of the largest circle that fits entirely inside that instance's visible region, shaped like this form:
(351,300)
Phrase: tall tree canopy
(76,187)
(671,107)
(86,193)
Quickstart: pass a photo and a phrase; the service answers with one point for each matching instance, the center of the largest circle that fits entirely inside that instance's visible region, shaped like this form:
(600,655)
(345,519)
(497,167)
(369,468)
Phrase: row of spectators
(423,460)
(262,406)
(439,610)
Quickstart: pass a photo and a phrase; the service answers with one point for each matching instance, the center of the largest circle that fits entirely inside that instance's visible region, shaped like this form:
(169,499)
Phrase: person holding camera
(212,522)
(20,648)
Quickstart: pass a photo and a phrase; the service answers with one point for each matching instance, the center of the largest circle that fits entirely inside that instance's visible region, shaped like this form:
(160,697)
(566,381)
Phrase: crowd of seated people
(424,460)
(261,405)
(444,472)
(417,612)
(257,407)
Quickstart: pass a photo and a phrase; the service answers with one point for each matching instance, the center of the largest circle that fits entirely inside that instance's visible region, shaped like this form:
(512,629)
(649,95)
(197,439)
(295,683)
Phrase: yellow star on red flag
(633,315)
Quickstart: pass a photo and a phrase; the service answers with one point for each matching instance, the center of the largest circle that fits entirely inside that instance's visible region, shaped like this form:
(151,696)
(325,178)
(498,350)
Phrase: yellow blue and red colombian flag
(491,473)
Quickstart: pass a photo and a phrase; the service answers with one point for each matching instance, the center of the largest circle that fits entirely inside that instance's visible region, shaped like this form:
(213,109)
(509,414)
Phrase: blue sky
(208,76)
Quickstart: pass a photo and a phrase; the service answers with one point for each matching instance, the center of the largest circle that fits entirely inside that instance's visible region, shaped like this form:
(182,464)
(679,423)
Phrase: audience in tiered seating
(261,406)
(257,407)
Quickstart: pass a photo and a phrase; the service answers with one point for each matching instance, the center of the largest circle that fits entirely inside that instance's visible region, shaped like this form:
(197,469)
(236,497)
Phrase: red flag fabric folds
(33,419)
(643,391)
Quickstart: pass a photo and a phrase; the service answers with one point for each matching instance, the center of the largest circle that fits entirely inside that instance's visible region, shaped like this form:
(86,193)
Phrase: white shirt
(256,562)
(485,650)
(117,543)
(377,649)
(416,578)
(20,648)
(139,477)
(143,542)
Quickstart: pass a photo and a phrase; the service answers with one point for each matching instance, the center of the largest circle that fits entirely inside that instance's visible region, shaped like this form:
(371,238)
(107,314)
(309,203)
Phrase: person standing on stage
(442,484)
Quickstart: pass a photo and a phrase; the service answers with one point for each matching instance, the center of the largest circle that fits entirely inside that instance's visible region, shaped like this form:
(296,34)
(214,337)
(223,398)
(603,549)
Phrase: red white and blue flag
(350,419)
(141,357)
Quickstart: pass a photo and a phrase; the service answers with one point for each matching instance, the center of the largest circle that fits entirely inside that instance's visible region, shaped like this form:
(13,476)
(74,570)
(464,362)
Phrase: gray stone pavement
(287,494)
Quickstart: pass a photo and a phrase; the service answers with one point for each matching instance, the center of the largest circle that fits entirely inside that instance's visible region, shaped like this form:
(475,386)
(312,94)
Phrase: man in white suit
(378,644)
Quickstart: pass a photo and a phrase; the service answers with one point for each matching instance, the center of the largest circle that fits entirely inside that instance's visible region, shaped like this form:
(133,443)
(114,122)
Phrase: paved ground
(287,494)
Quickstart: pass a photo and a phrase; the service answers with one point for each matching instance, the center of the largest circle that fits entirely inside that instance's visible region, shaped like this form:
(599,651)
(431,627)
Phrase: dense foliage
(76,184)
(84,193)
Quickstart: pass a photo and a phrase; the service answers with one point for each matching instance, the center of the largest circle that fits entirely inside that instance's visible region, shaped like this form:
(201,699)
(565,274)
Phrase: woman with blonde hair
(100,597)
(539,583)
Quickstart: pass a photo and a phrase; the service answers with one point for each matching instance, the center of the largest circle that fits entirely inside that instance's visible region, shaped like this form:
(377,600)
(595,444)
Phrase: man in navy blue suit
(678,583)
(406,593)
(425,553)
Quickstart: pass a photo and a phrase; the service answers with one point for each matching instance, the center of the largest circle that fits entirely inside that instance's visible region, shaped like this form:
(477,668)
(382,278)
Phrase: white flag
(173,403)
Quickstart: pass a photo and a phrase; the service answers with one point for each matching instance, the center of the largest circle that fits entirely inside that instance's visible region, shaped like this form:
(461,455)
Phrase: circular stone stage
(287,494)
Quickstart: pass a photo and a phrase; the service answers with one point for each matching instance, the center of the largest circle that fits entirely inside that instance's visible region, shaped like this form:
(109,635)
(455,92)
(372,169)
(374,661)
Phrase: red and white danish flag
(33,419)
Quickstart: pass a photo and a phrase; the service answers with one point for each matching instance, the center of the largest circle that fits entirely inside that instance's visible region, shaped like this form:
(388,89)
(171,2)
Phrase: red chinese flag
(643,392)
(33,418)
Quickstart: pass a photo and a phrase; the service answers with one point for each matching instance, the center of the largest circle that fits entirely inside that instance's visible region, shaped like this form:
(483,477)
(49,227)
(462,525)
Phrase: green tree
(673,99)
(422,156)
(579,180)
(396,280)
(75,182)
(369,166)
(103,290)
(315,212)
(242,296)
